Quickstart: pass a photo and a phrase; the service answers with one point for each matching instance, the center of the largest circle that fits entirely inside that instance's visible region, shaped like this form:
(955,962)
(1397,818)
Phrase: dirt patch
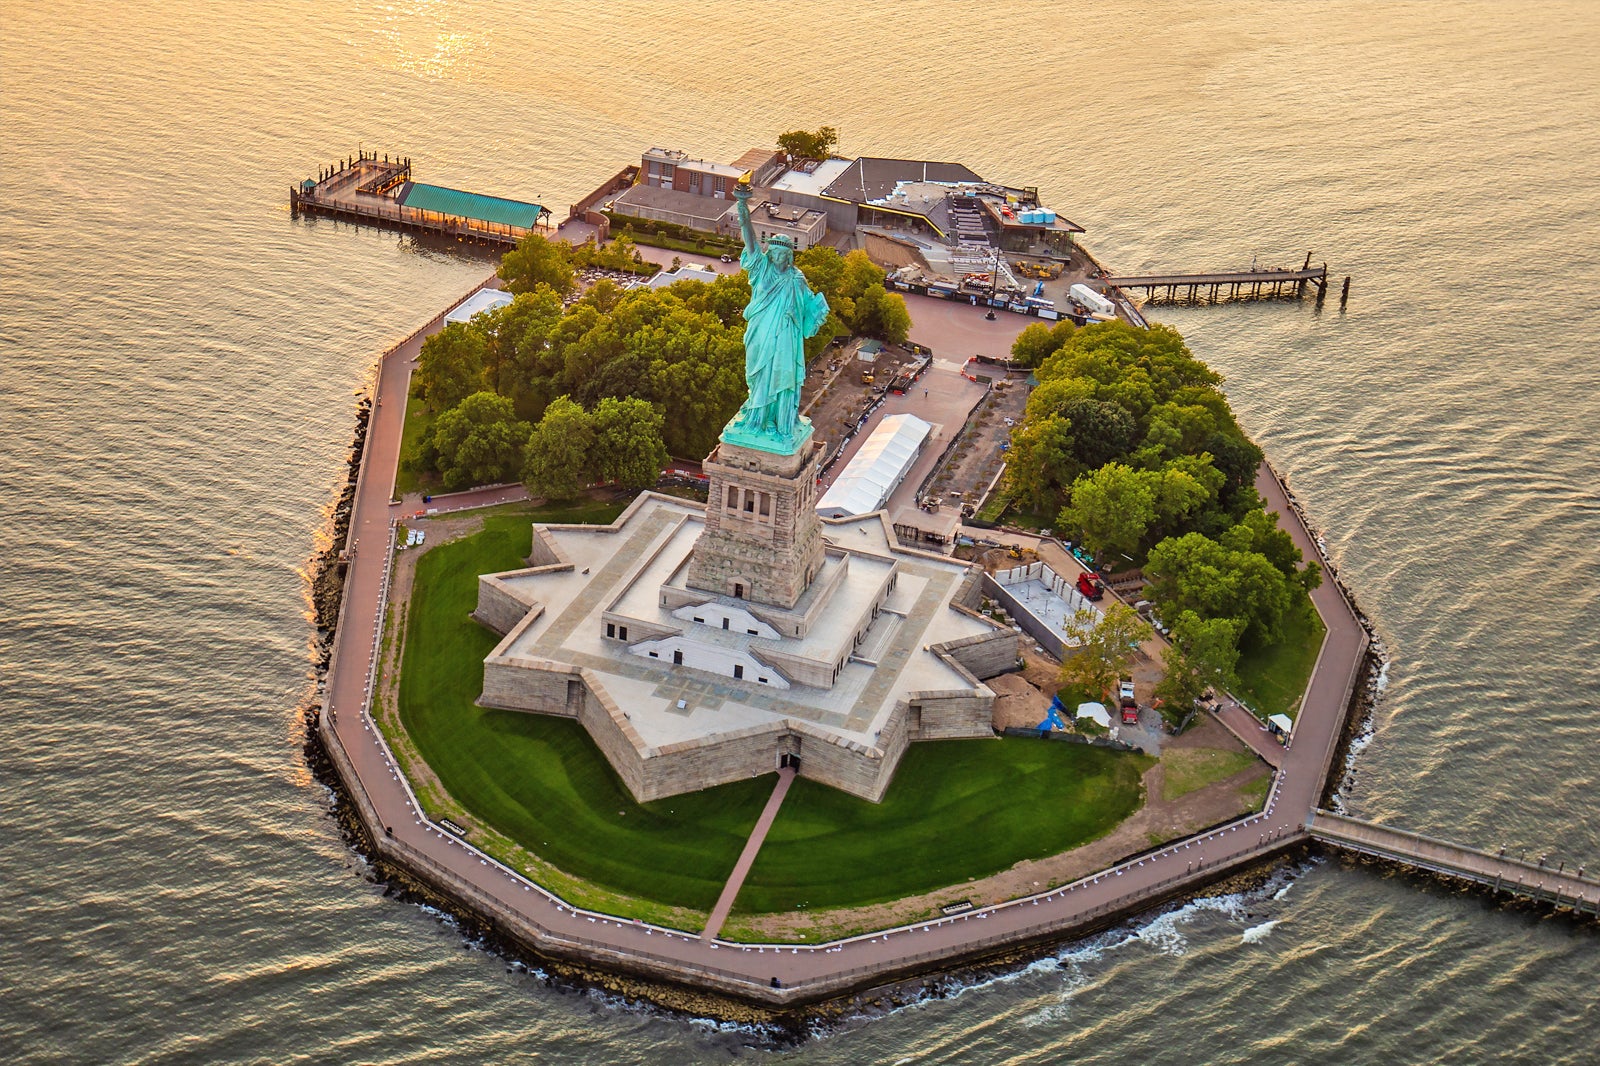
(1017,703)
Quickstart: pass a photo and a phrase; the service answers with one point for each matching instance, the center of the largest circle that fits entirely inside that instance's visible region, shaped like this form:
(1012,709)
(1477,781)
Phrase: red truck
(1090,586)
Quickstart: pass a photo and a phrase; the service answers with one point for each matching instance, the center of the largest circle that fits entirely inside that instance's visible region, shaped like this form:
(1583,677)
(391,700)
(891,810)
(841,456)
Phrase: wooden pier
(1540,881)
(1276,284)
(366,189)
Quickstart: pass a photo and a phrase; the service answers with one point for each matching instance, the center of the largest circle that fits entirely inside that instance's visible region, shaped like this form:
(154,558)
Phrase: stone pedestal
(763,540)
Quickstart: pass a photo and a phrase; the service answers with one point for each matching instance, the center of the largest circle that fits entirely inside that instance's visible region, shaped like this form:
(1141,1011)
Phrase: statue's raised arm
(741,195)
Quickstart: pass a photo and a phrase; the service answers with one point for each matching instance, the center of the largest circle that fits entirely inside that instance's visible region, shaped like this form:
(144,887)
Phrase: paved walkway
(747,857)
(802,971)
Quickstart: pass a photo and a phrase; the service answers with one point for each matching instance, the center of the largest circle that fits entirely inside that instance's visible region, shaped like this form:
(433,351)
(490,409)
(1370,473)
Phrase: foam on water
(1257,933)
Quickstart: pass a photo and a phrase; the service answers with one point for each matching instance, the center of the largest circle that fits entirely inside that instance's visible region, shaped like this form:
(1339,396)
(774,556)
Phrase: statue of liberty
(781,314)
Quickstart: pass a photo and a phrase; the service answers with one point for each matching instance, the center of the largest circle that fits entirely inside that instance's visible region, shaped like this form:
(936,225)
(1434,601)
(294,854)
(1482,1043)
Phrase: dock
(1275,284)
(366,189)
(1538,882)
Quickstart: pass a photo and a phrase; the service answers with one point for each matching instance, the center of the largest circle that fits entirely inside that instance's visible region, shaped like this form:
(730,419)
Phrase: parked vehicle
(1130,712)
(1092,300)
(1125,690)
(1090,586)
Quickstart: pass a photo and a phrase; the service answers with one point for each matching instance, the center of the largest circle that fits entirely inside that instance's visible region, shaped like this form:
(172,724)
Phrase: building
(665,168)
(479,302)
(698,195)
(877,469)
(704,644)
(902,194)
(804,226)
(802,186)
(945,203)
(709,214)
(688,272)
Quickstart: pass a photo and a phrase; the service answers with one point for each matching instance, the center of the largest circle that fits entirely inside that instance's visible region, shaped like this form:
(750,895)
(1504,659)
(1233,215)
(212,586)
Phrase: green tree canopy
(882,314)
(480,441)
(1112,507)
(628,447)
(1204,653)
(537,261)
(1100,649)
(806,144)
(1195,573)
(450,366)
(557,460)
(1038,342)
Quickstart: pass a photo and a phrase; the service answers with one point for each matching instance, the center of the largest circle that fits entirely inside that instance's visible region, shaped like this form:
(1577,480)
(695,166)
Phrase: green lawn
(540,780)
(408,478)
(1273,679)
(1186,770)
(957,809)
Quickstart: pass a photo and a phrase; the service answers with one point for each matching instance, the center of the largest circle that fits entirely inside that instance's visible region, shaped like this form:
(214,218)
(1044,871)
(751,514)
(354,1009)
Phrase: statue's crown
(781,238)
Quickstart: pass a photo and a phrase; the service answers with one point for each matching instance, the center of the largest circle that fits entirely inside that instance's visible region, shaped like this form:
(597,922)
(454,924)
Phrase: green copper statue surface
(781,314)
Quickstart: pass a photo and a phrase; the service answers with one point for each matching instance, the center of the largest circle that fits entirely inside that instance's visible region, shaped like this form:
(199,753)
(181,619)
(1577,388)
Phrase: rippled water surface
(179,361)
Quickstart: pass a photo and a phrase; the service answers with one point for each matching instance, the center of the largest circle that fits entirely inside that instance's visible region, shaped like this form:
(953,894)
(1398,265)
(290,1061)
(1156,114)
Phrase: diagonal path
(747,857)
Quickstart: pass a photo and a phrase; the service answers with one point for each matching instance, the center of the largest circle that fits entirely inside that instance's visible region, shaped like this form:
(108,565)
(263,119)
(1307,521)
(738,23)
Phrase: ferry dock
(1273,284)
(380,191)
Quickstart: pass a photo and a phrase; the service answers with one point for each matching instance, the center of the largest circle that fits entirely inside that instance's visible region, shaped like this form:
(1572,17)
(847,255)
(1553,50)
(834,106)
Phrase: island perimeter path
(787,976)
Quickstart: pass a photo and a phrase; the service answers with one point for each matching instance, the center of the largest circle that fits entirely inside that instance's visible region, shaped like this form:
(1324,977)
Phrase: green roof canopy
(472,205)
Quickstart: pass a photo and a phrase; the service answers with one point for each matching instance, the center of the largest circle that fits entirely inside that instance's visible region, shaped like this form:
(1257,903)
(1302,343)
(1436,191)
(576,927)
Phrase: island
(915,667)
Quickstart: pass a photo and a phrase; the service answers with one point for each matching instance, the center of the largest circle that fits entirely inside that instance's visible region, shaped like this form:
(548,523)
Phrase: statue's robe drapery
(781,314)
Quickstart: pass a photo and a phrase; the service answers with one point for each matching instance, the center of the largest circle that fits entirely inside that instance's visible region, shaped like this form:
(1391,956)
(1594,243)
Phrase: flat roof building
(479,302)
(803,225)
(877,469)
(660,204)
(687,272)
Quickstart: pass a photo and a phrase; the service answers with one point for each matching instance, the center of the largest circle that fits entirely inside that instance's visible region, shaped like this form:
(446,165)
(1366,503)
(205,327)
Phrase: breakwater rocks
(325,593)
(327,571)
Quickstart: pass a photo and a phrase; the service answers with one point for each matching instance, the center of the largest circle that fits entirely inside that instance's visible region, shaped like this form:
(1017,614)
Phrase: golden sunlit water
(180,359)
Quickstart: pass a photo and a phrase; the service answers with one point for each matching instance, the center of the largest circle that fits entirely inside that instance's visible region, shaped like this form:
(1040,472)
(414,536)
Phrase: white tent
(1282,723)
(876,469)
(1096,711)
(479,302)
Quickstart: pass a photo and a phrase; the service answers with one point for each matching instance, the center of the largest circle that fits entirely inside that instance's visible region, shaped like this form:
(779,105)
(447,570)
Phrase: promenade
(772,975)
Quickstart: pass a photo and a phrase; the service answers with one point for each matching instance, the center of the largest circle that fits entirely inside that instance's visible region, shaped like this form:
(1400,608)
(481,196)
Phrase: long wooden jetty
(1280,283)
(366,189)
(1536,881)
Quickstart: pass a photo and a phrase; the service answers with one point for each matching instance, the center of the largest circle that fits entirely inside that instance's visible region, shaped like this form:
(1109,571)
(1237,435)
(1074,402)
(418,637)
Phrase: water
(179,362)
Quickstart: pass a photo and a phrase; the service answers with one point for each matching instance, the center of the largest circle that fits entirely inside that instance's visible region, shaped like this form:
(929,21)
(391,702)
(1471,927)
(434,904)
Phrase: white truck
(1091,300)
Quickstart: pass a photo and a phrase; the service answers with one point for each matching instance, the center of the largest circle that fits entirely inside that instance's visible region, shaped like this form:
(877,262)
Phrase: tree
(556,462)
(882,314)
(802,144)
(1038,342)
(1203,654)
(1195,573)
(450,366)
(536,261)
(1101,647)
(1041,457)
(628,447)
(480,441)
(1113,506)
